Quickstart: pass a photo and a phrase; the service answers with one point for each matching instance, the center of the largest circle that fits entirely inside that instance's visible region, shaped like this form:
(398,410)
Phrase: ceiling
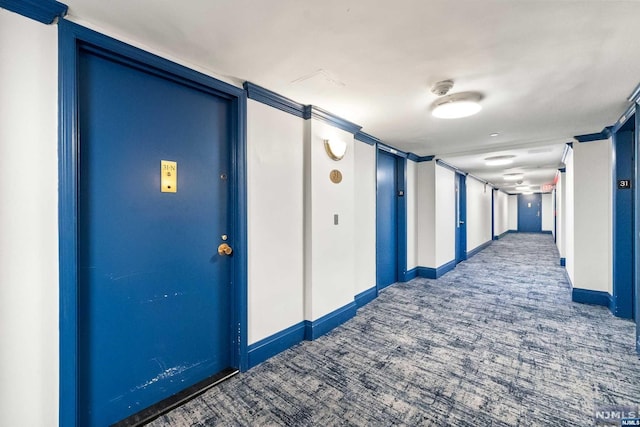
(548,70)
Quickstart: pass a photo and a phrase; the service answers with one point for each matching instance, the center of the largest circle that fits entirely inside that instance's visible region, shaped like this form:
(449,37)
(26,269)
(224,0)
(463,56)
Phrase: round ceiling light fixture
(454,106)
(513,176)
(457,105)
(499,160)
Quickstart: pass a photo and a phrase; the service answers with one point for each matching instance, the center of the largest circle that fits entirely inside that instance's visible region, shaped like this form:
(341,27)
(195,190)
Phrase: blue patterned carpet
(495,342)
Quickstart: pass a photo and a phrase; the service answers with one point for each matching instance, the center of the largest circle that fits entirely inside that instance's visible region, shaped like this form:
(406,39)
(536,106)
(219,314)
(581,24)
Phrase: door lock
(224,249)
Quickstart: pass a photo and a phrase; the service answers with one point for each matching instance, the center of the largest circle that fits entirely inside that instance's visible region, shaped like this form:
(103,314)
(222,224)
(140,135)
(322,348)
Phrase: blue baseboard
(587,296)
(474,251)
(547,232)
(411,274)
(364,298)
(317,328)
(268,347)
(500,236)
(563,262)
(434,273)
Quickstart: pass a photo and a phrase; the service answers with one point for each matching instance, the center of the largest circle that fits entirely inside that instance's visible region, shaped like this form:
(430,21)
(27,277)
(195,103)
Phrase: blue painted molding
(45,11)
(587,296)
(474,251)
(272,99)
(419,159)
(365,297)
(635,95)
(563,262)
(435,273)
(625,118)
(384,147)
(366,138)
(311,111)
(274,344)
(410,274)
(315,329)
(562,170)
(500,236)
(604,134)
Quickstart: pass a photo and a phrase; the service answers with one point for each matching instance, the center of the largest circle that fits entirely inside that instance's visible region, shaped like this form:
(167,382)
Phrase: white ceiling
(548,70)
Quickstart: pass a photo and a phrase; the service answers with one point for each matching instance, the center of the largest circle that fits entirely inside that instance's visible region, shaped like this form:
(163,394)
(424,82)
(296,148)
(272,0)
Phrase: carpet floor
(495,342)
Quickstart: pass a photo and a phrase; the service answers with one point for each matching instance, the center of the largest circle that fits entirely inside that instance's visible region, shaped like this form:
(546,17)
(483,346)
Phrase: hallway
(497,341)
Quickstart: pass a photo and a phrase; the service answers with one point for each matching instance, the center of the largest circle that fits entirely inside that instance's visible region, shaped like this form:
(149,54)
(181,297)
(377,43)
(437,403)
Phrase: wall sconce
(336,149)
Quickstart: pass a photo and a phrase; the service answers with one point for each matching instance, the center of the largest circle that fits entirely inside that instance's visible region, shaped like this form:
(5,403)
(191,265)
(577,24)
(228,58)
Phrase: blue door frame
(622,304)
(636,224)
(461,217)
(71,38)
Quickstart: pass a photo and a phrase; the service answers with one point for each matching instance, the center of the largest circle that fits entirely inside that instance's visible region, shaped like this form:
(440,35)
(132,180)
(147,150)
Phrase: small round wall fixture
(457,105)
(335,148)
(499,160)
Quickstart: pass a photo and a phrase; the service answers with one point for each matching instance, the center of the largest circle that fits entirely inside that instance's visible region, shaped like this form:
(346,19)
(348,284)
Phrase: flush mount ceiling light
(494,134)
(499,160)
(513,176)
(454,106)
(523,188)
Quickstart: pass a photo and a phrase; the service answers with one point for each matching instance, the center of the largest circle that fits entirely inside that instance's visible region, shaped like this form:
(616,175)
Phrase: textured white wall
(547,212)
(560,209)
(592,215)
(513,212)
(501,213)
(445,215)
(28,222)
(478,213)
(426,222)
(275,219)
(329,249)
(412,209)
(365,216)
(569,210)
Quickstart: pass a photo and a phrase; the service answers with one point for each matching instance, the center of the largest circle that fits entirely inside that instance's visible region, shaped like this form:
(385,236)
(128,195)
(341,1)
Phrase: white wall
(478,213)
(560,209)
(445,215)
(365,214)
(329,248)
(426,222)
(275,220)
(512,223)
(547,212)
(592,215)
(412,211)
(28,222)
(569,243)
(501,213)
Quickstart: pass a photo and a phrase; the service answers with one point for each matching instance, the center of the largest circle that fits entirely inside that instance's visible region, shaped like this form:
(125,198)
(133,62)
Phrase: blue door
(636,223)
(461,217)
(386,220)
(530,213)
(154,294)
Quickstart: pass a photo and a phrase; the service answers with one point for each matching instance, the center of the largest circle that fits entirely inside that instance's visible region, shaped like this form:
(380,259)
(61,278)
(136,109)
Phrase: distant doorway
(461,218)
(530,213)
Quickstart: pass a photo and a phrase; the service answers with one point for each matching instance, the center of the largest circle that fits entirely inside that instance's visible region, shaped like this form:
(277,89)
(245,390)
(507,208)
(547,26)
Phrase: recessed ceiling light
(456,106)
(499,160)
(494,134)
(513,176)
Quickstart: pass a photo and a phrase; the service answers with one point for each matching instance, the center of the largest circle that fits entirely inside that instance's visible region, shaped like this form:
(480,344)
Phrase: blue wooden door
(154,295)
(636,223)
(386,220)
(461,217)
(530,212)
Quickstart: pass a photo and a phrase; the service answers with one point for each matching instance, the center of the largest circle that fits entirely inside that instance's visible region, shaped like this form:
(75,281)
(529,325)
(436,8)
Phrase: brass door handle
(224,249)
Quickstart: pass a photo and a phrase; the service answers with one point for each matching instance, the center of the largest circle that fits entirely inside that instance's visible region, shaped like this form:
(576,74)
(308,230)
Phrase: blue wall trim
(500,236)
(311,111)
(384,147)
(72,37)
(410,274)
(625,118)
(435,273)
(474,251)
(604,134)
(366,138)
(563,262)
(272,99)
(317,328)
(587,296)
(562,170)
(274,344)
(419,159)
(45,11)
(365,297)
